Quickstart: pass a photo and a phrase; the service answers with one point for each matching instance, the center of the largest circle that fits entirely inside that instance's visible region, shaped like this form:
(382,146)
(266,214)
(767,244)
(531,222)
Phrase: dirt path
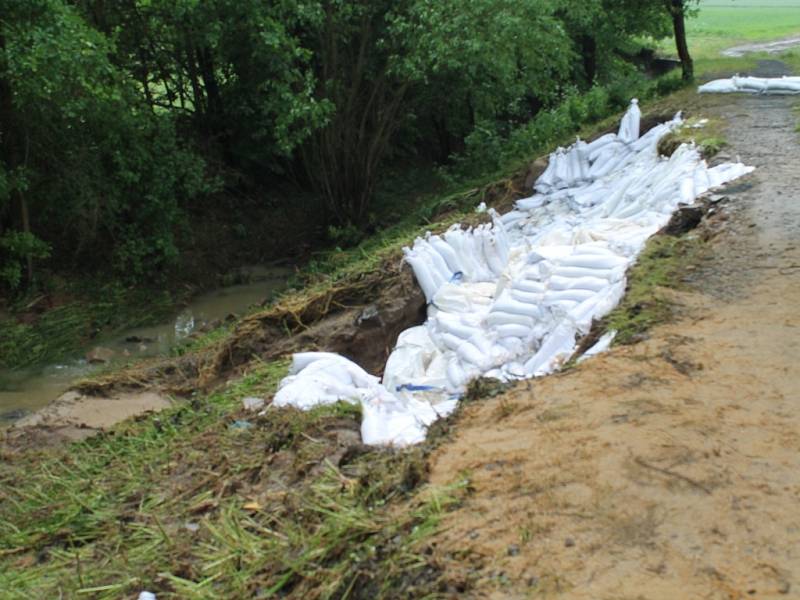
(671,468)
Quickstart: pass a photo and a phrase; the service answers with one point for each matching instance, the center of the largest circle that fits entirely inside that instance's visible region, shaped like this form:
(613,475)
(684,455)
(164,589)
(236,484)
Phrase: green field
(721,24)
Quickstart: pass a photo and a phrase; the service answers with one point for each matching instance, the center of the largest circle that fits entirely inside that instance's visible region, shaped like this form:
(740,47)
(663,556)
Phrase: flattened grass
(661,265)
(207,501)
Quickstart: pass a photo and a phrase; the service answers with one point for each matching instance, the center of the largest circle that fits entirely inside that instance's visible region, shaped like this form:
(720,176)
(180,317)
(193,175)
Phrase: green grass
(191,504)
(708,136)
(721,24)
(661,266)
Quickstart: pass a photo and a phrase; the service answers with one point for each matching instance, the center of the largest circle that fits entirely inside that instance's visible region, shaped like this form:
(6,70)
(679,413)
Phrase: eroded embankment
(358,314)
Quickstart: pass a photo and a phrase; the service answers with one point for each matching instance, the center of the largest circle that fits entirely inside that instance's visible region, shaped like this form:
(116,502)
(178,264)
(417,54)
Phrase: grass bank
(209,501)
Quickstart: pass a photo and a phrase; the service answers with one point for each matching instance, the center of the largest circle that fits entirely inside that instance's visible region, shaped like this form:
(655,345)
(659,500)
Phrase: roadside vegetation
(722,24)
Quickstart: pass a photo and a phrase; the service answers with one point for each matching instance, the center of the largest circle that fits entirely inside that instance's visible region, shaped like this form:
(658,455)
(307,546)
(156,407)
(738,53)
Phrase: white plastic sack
(752,85)
(509,299)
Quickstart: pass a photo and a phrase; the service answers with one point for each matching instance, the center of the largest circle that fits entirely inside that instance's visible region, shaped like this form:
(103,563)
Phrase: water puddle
(26,390)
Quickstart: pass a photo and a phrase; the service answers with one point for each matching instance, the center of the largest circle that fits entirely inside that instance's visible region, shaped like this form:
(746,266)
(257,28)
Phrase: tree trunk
(7,155)
(589,54)
(26,227)
(676,9)
(206,64)
(10,144)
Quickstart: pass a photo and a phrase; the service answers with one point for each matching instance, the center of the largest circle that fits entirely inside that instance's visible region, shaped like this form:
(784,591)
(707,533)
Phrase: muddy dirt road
(670,468)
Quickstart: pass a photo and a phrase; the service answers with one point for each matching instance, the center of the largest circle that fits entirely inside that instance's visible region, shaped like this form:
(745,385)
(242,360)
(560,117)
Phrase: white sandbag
(513,330)
(388,421)
(446,251)
(718,86)
(447,340)
(600,346)
(570,272)
(497,318)
(505,303)
(596,145)
(598,262)
(528,285)
(752,85)
(687,191)
(300,360)
(526,297)
(512,217)
(569,295)
(423,274)
(450,323)
(556,349)
(594,284)
(452,298)
(629,127)
(532,203)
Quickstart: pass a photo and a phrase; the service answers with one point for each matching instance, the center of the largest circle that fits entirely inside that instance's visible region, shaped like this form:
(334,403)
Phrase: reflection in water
(184,324)
(29,389)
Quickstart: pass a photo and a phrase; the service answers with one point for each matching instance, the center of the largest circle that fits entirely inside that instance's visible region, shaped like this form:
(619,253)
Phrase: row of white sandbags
(752,85)
(508,300)
(477,254)
(584,162)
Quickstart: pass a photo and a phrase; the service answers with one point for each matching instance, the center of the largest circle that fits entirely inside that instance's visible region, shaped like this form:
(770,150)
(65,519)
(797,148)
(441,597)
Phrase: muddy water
(25,390)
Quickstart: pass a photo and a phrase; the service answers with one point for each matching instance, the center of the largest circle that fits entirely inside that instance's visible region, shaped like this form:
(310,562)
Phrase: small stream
(26,390)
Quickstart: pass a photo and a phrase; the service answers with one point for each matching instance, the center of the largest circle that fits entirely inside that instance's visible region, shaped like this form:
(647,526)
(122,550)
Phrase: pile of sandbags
(752,85)
(584,163)
(509,299)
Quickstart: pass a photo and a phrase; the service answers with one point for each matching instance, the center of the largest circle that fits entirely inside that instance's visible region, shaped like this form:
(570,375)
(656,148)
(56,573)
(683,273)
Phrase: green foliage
(16,247)
(128,117)
(490,146)
(101,171)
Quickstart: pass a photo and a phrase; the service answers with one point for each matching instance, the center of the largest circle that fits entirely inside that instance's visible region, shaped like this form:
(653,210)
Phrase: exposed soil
(670,468)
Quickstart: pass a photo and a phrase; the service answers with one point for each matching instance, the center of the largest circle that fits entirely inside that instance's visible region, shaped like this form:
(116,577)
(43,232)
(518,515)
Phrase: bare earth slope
(671,468)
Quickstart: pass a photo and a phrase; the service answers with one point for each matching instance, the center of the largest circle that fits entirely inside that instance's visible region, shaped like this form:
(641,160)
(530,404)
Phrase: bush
(17,247)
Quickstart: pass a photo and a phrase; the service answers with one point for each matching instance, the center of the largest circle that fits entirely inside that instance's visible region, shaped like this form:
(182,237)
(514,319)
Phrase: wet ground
(775,47)
(26,390)
(670,468)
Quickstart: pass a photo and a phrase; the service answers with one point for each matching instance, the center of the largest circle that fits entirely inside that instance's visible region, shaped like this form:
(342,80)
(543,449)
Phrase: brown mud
(669,468)
(75,416)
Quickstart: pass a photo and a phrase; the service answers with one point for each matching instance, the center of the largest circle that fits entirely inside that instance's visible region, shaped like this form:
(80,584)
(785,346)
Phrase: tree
(431,69)
(605,31)
(678,11)
(93,174)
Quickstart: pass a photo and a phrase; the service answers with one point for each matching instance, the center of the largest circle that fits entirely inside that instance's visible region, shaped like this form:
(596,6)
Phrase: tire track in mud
(667,469)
